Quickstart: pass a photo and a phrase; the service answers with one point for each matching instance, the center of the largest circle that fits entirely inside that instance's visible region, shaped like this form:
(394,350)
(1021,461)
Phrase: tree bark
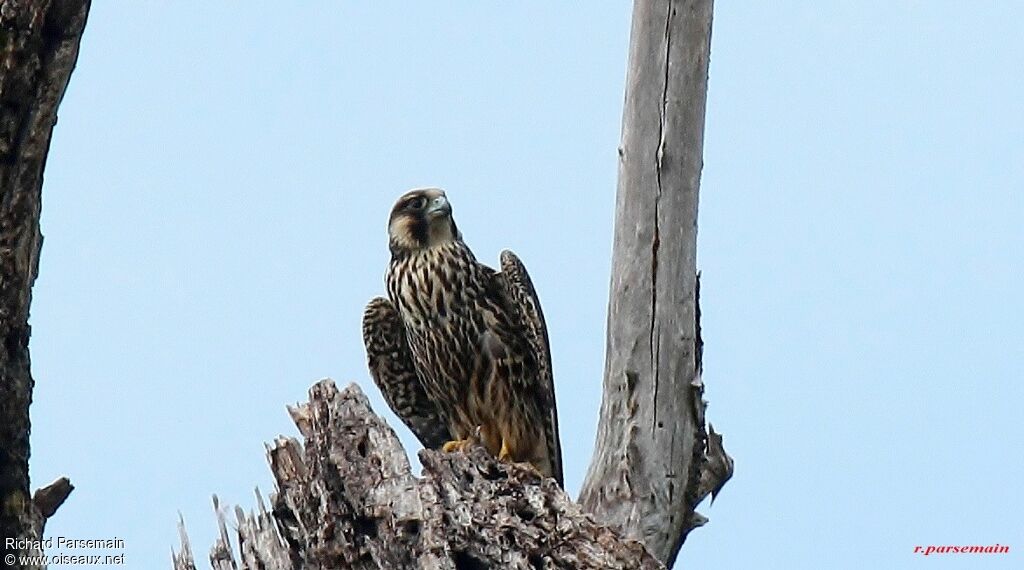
(39,42)
(645,476)
(348,499)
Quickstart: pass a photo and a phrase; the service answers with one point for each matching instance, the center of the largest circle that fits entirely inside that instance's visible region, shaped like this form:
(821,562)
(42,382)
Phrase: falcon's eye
(417,203)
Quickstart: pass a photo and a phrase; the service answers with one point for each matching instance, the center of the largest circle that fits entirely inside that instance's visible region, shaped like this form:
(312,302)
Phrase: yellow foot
(505,454)
(456,445)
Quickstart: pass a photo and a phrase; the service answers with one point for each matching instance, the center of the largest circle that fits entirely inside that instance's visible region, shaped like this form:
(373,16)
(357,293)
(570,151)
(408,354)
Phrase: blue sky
(214,215)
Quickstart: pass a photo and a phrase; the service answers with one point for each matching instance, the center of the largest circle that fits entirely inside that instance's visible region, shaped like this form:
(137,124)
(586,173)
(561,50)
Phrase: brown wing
(522,294)
(393,370)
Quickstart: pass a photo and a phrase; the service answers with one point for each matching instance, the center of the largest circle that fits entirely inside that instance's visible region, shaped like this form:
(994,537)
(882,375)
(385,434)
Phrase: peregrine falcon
(459,350)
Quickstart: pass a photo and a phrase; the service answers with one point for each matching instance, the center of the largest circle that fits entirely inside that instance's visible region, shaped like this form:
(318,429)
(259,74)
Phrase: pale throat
(440,232)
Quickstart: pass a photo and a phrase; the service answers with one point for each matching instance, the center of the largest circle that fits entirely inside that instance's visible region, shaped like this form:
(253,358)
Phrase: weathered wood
(348,499)
(650,455)
(38,49)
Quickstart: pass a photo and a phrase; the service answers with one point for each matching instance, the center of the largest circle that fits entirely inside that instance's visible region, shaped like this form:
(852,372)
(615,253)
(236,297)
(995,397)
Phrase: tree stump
(347,499)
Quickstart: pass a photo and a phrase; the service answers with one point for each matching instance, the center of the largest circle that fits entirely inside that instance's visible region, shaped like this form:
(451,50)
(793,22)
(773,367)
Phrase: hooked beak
(438,207)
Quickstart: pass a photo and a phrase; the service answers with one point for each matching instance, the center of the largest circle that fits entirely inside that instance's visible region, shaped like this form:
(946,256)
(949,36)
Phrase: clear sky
(214,215)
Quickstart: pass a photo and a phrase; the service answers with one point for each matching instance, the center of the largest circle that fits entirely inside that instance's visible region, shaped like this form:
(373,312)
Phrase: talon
(456,445)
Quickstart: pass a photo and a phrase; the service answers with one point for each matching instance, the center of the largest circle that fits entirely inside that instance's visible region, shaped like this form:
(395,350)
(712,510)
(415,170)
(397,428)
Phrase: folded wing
(392,368)
(523,296)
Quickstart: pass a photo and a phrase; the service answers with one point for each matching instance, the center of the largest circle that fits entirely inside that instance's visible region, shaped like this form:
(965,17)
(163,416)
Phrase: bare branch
(646,472)
(51,497)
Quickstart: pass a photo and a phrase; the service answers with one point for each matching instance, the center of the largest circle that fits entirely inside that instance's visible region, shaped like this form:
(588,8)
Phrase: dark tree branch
(38,49)
(348,499)
(51,497)
(645,477)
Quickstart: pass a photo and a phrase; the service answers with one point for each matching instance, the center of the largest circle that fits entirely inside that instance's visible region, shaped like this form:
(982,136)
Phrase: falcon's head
(421,219)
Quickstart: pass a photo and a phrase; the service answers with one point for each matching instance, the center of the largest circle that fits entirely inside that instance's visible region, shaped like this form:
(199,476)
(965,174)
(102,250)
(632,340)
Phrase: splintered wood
(348,499)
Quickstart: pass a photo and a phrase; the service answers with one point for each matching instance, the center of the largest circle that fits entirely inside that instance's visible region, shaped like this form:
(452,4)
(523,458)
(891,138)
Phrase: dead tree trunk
(645,476)
(348,499)
(38,49)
